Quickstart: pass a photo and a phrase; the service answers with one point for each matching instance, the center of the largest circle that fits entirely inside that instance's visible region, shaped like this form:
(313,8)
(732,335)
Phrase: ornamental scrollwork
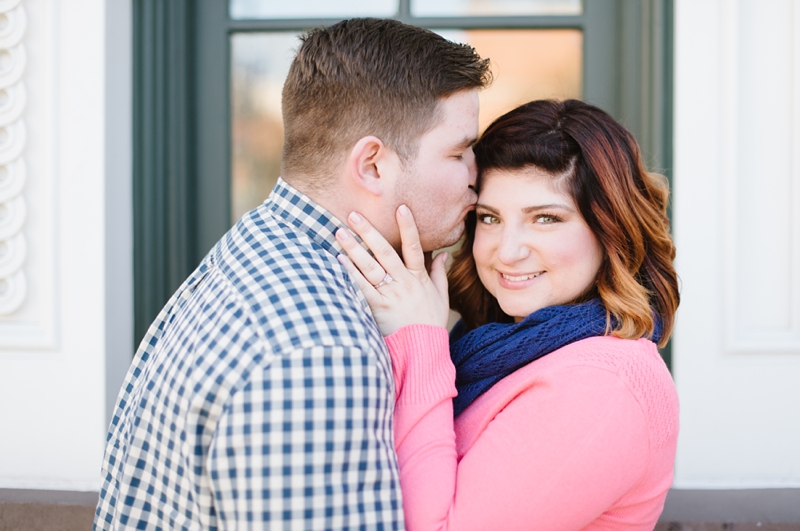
(13,247)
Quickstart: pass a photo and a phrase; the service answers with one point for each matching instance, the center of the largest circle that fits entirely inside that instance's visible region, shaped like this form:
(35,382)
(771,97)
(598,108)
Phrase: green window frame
(181,146)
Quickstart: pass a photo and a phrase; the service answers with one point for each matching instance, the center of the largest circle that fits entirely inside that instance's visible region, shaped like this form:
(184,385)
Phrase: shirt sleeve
(307,443)
(555,457)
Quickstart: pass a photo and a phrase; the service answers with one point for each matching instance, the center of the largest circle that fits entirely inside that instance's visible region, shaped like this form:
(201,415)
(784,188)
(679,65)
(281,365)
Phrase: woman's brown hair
(623,204)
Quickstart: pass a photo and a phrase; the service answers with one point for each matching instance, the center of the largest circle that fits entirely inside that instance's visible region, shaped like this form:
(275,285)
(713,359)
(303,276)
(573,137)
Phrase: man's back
(261,394)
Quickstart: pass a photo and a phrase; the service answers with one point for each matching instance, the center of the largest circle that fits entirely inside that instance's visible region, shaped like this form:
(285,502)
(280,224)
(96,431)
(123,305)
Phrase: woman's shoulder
(638,365)
(623,356)
(637,362)
(588,372)
(631,366)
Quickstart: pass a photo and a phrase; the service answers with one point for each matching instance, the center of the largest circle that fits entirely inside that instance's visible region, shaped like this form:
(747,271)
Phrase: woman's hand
(399,292)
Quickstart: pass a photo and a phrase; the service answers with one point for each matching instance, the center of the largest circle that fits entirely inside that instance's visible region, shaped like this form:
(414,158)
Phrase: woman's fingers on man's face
(367,265)
(409,235)
(383,251)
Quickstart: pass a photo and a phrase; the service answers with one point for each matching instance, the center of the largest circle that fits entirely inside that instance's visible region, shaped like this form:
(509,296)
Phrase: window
(208,73)
(527,64)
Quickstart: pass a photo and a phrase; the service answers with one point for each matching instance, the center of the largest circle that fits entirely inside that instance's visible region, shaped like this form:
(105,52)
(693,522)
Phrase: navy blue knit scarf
(488,354)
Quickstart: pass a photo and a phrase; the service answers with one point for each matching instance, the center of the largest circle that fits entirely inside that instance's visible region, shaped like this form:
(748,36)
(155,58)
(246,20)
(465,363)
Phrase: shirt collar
(292,206)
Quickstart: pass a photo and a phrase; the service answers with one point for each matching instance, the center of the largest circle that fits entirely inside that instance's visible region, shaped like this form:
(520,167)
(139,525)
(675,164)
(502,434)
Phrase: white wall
(737,224)
(53,369)
(737,228)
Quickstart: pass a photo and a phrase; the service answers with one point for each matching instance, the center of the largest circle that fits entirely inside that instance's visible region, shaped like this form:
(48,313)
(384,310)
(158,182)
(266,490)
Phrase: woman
(565,415)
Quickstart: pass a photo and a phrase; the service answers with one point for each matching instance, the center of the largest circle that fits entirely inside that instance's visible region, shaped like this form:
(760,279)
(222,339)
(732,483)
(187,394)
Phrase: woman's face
(532,247)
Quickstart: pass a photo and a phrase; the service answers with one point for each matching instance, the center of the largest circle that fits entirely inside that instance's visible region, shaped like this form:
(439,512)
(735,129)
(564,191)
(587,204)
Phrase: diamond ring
(386,280)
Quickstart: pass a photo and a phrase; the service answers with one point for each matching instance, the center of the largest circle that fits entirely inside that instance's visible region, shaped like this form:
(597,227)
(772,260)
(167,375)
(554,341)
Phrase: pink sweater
(583,438)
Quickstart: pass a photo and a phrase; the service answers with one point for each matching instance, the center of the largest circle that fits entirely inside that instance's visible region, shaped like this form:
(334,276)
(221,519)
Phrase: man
(262,395)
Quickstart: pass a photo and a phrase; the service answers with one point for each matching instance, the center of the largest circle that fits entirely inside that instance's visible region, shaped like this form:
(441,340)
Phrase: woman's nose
(512,248)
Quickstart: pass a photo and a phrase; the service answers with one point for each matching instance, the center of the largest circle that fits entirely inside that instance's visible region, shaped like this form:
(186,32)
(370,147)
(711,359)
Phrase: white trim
(85,485)
(30,186)
(119,196)
(13,211)
(741,336)
(736,373)
(795,178)
(52,350)
(736,484)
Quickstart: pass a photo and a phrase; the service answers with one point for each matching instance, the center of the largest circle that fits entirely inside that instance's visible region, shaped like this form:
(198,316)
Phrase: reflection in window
(526,64)
(278,9)
(259,64)
(466,8)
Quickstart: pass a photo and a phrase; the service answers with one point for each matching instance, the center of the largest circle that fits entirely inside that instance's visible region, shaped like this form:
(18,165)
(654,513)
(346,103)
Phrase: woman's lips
(518,280)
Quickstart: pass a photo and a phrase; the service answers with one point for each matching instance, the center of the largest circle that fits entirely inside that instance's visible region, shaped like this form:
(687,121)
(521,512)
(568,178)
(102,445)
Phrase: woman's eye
(487,219)
(545,219)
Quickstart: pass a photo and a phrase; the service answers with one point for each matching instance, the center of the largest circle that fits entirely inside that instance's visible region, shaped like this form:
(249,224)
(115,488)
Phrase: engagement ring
(386,280)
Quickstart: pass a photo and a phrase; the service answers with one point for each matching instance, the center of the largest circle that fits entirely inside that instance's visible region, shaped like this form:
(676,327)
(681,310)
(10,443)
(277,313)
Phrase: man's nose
(473,169)
(473,175)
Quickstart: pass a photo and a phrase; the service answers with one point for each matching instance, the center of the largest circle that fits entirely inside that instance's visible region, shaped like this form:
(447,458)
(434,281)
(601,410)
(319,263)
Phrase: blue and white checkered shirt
(261,396)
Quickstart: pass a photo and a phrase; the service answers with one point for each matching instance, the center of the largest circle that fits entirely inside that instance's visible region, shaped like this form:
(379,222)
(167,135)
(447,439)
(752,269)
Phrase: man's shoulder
(262,249)
(297,292)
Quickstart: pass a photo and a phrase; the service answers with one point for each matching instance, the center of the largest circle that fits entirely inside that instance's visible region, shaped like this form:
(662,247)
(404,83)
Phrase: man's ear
(370,162)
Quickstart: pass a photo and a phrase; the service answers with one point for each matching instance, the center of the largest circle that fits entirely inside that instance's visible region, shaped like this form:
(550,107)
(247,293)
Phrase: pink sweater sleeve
(555,457)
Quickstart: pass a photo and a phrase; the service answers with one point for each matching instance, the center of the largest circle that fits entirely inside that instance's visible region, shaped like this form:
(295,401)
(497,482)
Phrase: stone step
(685,510)
(46,510)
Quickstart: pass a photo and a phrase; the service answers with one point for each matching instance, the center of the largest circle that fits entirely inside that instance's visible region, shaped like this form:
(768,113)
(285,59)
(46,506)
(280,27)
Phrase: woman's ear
(371,165)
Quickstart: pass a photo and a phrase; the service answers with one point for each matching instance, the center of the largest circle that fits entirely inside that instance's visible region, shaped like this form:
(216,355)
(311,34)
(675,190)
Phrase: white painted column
(737,227)
(53,343)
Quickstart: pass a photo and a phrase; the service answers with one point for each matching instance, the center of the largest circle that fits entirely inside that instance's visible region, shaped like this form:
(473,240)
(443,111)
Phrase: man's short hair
(368,76)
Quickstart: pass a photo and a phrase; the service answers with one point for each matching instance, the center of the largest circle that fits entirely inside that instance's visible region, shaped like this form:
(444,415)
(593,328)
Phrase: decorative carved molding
(30,55)
(8,5)
(13,247)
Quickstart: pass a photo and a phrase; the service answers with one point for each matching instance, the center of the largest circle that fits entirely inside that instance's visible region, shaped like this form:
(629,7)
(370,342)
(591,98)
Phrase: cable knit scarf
(488,354)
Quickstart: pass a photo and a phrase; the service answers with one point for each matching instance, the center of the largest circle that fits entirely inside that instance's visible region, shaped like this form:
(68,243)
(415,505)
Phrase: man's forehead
(467,141)
(460,108)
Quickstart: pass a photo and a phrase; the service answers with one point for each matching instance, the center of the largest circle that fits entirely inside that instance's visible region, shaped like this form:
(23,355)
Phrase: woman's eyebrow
(534,208)
(486,207)
(528,209)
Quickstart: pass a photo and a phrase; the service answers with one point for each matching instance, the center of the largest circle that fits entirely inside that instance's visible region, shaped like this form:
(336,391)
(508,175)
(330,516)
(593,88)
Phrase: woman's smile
(517,280)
